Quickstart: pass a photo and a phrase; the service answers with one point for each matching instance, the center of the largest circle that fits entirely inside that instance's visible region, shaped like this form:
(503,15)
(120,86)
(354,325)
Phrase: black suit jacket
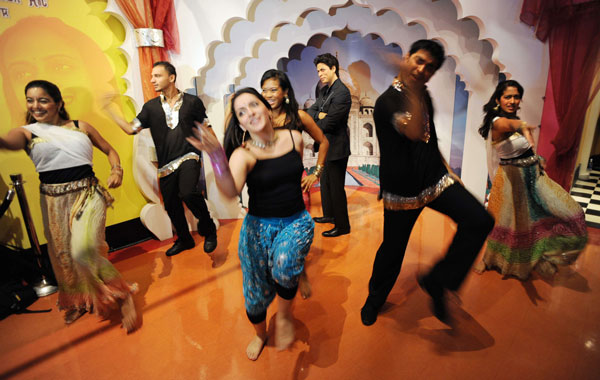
(335,101)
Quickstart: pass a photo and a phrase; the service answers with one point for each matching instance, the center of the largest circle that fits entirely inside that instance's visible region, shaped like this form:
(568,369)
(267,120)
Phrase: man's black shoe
(179,247)
(323,219)
(210,243)
(368,314)
(438,301)
(335,232)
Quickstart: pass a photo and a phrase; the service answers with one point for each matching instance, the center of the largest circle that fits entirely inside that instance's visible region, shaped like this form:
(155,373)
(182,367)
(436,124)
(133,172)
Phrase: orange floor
(194,325)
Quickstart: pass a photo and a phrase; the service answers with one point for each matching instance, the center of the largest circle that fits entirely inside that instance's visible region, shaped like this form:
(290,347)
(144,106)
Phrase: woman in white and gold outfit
(73,204)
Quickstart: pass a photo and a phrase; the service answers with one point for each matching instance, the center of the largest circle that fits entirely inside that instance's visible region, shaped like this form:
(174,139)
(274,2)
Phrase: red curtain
(163,13)
(158,14)
(573,32)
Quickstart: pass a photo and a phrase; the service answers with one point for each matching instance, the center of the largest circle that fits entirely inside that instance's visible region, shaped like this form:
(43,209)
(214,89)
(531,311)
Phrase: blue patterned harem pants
(272,252)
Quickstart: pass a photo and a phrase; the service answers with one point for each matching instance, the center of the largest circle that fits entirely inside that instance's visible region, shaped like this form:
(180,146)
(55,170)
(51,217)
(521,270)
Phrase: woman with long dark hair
(538,224)
(277,231)
(277,90)
(73,204)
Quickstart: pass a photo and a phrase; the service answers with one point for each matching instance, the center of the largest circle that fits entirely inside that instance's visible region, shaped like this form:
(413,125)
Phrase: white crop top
(54,147)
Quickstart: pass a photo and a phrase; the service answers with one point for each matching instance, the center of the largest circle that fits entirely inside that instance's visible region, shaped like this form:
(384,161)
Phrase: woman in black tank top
(278,231)
(277,90)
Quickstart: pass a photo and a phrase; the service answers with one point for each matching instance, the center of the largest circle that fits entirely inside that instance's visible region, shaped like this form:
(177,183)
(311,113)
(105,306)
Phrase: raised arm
(15,139)
(230,176)
(504,125)
(116,172)
(409,121)
(129,128)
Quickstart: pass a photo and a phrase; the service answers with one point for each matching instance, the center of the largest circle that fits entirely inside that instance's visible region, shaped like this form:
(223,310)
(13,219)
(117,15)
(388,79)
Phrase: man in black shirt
(330,112)
(171,117)
(414,175)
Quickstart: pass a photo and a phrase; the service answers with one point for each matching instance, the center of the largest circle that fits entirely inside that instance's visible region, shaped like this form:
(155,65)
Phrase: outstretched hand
(107,99)
(204,139)
(308,181)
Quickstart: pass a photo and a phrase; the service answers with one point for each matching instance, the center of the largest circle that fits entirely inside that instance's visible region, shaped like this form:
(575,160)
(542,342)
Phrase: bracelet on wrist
(136,126)
(318,170)
(219,162)
(117,168)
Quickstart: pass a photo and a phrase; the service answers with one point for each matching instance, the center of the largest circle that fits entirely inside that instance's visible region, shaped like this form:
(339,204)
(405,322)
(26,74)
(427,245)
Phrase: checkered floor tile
(587,193)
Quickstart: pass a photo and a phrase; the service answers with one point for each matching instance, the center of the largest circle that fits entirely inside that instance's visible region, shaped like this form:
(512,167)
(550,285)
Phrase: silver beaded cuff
(522,162)
(176,163)
(396,202)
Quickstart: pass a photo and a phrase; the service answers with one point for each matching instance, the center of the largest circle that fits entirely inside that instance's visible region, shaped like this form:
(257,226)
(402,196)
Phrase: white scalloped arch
(253,48)
(258,30)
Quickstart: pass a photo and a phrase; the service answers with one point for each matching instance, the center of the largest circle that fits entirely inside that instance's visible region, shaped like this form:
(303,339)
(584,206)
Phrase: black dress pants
(333,193)
(182,186)
(474,223)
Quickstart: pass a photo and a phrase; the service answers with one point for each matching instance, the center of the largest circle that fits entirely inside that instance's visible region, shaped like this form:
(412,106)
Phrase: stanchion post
(43,287)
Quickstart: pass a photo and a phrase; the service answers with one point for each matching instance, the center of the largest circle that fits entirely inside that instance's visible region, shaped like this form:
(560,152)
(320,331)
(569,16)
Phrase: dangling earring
(497,107)
(244,138)
(287,100)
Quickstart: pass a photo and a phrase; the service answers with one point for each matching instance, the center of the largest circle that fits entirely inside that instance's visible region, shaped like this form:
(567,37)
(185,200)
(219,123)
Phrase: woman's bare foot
(73,314)
(255,347)
(304,285)
(134,288)
(480,267)
(128,314)
(284,331)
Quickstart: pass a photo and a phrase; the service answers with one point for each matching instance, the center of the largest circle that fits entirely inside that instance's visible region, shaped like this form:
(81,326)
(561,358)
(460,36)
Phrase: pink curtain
(573,32)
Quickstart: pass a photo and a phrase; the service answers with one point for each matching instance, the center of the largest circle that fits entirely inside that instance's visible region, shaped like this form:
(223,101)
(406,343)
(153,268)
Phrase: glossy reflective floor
(193,324)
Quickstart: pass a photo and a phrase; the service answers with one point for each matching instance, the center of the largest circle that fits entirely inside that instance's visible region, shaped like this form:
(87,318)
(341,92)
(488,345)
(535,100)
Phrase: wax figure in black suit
(171,117)
(330,112)
(414,175)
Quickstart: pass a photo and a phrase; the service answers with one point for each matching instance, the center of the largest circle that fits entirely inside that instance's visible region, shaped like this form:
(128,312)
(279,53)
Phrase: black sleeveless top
(274,186)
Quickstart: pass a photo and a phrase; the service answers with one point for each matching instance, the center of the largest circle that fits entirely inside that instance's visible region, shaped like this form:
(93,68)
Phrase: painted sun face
(420,67)
(41,106)
(510,100)
(272,91)
(252,114)
(326,73)
(50,57)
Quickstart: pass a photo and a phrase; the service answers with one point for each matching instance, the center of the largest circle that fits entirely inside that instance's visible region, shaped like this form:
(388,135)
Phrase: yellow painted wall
(73,44)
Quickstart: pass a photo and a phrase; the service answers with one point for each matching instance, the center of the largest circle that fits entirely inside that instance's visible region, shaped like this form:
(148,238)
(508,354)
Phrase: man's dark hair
(168,66)
(432,47)
(328,60)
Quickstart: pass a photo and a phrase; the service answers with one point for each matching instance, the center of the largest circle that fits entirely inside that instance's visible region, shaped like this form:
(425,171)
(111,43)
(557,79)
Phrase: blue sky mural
(459,123)
(364,59)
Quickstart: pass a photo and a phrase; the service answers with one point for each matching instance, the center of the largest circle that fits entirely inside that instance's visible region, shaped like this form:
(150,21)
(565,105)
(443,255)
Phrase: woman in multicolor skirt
(278,231)
(73,204)
(538,224)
